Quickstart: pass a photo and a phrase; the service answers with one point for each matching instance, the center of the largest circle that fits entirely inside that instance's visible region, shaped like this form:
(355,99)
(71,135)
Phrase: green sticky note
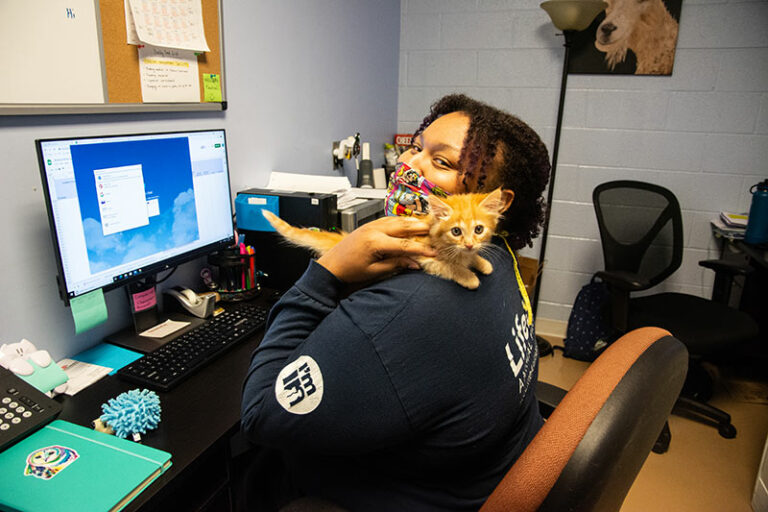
(88,310)
(211,87)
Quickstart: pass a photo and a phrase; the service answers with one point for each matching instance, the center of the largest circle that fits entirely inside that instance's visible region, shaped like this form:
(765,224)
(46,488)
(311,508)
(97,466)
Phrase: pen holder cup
(237,276)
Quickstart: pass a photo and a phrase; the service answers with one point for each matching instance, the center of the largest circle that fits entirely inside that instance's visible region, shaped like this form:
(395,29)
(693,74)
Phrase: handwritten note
(176,24)
(144,300)
(88,310)
(51,52)
(164,329)
(168,75)
(211,87)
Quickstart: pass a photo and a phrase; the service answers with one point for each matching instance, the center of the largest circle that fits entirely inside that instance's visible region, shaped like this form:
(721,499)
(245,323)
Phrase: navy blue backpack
(589,329)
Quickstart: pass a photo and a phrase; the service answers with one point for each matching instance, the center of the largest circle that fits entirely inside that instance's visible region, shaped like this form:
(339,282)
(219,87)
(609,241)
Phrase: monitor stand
(144,310)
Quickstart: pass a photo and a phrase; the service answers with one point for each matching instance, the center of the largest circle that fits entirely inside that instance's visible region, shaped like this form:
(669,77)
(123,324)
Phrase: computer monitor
(124,207)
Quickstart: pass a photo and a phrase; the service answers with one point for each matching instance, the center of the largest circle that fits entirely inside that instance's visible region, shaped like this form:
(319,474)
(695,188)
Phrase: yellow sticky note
(88,310)
(211,87)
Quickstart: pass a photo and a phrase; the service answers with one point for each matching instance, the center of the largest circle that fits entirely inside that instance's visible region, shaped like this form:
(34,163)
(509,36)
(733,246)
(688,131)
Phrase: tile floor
(702,471)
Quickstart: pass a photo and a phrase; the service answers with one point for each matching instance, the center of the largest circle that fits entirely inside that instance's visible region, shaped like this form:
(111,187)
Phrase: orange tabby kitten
(461,226)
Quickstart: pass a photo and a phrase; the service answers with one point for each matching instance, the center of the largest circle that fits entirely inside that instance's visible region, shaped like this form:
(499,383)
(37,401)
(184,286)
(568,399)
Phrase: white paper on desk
(369,193)
(81,375)
(355,196)
(168,75)
(727,231)
(346,195)
(164,329)
(290,182)
(177,24)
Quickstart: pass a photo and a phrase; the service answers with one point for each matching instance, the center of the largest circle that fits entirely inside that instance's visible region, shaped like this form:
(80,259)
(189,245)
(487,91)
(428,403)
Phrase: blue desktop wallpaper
(167,174)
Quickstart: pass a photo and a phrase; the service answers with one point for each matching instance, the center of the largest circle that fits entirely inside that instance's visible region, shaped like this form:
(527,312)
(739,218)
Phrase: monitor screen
(127,206)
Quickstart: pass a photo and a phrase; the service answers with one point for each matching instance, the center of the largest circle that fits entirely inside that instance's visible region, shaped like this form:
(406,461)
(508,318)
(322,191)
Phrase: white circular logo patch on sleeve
(299,387)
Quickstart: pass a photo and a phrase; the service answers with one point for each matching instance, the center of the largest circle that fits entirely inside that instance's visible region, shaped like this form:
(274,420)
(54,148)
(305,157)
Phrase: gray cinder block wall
(702,132)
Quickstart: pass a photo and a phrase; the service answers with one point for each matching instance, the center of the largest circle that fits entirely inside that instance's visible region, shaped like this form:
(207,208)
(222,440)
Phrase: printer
(282,263)
(358,214)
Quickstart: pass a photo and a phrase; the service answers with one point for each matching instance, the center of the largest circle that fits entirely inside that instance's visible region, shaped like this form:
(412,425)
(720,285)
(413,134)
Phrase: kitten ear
(498,201)
(438,208)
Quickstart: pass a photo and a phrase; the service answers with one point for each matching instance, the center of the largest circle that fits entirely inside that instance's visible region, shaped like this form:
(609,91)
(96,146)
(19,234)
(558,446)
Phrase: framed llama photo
(631,37)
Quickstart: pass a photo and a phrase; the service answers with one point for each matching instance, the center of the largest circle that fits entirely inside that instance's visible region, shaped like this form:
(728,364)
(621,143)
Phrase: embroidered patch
(299,387)
(46,462)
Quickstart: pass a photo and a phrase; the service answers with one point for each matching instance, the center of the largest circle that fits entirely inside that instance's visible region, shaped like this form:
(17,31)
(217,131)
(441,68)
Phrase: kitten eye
(456,231)
(479,229)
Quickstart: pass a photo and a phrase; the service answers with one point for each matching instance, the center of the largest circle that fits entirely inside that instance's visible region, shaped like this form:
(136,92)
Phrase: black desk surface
(194,416)
(757,253)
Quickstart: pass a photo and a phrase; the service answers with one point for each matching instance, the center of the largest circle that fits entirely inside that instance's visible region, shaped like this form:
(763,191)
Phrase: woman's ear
(438,208)
(498,201)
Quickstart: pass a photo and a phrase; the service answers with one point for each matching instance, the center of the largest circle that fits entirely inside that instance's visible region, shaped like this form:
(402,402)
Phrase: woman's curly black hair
(523,165)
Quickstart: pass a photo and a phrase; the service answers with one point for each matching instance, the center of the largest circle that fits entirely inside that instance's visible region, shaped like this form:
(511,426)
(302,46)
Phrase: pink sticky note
(144,300)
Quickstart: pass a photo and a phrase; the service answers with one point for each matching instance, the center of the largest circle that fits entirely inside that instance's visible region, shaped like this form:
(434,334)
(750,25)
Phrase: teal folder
(66,467)
(106,354)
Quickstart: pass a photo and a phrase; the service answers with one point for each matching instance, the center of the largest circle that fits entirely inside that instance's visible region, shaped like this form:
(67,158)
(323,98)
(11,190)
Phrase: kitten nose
(469,245)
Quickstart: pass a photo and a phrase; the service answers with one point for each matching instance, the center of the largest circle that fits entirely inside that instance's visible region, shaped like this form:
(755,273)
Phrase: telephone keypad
(23,408)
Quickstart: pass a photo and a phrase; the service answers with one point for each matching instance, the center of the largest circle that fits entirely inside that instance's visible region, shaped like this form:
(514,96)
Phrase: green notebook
(65,467)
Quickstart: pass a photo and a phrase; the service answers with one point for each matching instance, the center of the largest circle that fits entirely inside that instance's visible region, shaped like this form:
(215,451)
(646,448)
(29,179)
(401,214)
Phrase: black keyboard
(170,364)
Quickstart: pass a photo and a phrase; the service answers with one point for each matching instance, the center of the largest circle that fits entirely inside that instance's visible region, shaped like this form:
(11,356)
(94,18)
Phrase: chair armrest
(548,396)
(725,271)
(626,281)
(620,284)
(732,268)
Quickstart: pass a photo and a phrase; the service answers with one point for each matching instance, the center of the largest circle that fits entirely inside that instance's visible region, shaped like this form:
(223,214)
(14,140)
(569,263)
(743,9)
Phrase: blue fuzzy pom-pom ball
(132,412)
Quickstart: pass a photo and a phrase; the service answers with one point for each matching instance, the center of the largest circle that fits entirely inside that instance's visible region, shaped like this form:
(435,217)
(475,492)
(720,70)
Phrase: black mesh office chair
(641,229)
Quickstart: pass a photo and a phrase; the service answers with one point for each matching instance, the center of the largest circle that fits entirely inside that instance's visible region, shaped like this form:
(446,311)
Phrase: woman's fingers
(391,246)
(377,249)
(403,226)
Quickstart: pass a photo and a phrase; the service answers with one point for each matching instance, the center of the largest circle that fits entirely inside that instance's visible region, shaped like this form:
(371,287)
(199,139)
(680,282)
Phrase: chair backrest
(594,443)
(641,228)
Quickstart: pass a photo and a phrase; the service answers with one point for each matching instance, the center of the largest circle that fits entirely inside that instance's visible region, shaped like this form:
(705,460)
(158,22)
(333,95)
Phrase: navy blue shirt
(411,394)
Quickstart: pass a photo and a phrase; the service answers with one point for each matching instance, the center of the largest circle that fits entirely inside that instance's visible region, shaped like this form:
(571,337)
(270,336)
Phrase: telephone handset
(23,408)
(201,306)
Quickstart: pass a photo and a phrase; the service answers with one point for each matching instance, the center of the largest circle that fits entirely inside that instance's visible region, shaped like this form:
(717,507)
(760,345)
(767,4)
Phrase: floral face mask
(407,192)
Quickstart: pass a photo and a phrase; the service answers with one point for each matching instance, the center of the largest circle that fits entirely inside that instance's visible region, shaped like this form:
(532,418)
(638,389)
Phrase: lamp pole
(570,16)
(545,347)
(568,34)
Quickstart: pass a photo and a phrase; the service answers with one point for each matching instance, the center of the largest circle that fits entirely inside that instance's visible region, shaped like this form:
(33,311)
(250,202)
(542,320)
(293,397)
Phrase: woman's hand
(377,249)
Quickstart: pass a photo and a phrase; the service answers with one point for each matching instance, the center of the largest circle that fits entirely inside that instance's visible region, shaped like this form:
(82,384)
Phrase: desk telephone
(23,408)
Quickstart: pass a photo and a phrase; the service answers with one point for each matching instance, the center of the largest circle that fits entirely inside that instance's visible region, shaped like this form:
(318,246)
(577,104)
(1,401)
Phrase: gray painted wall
(299,74)
(702,132)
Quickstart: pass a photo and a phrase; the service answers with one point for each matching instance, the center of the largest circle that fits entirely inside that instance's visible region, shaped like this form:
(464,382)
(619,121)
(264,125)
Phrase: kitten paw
(483,265)
(470,283)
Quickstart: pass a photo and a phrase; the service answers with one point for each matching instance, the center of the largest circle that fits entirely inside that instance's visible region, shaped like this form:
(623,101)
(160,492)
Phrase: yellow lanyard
(520,284)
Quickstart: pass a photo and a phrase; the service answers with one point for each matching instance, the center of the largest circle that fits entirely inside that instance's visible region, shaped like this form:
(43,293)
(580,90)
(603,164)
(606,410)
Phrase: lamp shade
(573,14)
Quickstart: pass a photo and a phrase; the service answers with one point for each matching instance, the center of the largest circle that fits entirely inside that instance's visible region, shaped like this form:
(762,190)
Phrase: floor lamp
(570,16)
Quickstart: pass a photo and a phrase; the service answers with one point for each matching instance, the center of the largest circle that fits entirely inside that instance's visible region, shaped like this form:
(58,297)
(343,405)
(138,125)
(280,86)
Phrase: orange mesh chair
(594,443)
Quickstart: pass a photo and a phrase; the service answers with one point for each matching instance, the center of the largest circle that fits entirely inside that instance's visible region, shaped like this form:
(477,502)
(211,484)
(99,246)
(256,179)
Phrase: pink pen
(252,262)
(242,273)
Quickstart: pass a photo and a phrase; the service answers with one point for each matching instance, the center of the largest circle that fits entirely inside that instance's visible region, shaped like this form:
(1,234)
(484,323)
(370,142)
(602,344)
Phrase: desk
(198,419)
(754,295)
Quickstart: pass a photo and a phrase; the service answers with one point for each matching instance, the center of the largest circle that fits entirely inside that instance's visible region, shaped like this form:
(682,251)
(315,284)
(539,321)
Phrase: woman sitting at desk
(412,393)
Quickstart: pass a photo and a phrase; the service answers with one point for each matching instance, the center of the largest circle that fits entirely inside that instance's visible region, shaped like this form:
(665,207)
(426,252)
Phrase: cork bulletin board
(92,55)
